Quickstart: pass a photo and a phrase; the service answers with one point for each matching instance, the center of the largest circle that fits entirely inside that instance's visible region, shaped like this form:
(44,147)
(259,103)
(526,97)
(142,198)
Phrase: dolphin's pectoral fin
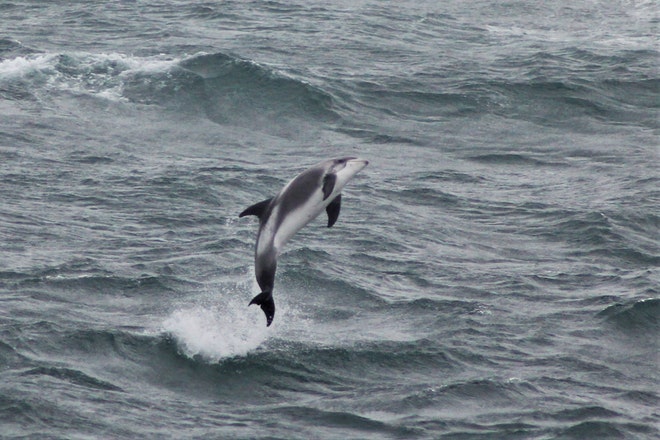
(328,185)
(257,209)
(333,210)
(265,300)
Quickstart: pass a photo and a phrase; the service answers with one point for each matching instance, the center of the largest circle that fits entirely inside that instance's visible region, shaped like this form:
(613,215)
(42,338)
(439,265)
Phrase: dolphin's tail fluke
(265,300)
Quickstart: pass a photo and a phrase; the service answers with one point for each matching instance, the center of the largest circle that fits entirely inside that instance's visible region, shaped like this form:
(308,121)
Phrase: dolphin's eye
(341,161)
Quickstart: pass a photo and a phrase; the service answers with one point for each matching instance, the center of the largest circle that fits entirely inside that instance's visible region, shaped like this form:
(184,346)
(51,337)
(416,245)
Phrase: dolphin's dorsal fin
(333,210)
(328,184)
(257,209)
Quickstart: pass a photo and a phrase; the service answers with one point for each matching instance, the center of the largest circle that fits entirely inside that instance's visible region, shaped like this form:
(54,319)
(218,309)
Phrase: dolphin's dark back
(298,192)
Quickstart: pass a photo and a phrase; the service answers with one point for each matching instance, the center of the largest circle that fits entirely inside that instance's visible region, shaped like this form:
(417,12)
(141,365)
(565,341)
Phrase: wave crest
(639,317)
(222,88)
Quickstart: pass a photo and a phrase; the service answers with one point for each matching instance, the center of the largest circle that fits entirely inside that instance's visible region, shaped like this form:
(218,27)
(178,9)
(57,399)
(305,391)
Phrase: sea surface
(494,272)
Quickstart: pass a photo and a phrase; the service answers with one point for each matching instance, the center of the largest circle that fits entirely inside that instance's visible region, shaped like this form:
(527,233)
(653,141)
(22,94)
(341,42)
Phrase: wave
(608,235)
(10,48)
(554,103)
(82,276)
(639,317)
(603,429)
(328,422)
(517,159)
(94,74)
(218,350)
(223,88)
(410,102)
(9,357)
(237,88)
(72,376)
(230,90)
(566,87)
(377,357)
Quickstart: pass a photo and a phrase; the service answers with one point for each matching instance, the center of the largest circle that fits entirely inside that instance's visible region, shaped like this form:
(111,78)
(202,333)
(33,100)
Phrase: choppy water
(493,273)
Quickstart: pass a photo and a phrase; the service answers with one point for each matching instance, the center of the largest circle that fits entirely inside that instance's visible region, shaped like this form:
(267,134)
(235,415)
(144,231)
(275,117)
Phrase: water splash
(218,331)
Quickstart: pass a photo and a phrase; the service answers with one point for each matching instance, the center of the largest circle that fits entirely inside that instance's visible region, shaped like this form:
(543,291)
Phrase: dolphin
(300,201)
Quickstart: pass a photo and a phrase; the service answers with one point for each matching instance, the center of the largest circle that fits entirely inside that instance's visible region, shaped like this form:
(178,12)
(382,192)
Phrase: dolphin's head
(345,169)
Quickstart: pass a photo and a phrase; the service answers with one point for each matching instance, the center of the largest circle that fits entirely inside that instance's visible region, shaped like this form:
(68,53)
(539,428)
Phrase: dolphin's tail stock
(265,300)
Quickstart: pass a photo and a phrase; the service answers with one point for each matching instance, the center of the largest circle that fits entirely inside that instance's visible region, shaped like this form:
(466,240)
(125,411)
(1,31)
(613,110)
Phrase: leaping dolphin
(299,202)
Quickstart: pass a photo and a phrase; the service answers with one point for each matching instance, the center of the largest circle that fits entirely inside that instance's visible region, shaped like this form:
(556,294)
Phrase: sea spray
(216,332)
(218,324)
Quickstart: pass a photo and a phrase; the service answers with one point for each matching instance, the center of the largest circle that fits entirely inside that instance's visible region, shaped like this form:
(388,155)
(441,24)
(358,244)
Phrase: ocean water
(493,274)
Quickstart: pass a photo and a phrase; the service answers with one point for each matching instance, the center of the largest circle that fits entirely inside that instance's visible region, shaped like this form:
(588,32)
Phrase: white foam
(224,329)
(99,74)
(19,66)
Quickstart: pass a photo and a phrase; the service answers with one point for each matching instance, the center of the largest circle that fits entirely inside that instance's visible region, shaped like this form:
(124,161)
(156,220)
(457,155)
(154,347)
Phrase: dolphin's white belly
(296,220)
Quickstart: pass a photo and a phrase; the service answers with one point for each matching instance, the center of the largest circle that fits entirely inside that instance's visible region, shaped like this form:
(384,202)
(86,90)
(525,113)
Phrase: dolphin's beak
(358,160)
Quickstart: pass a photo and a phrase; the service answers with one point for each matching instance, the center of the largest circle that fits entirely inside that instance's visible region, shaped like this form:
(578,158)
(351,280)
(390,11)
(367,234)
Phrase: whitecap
(97,74)
(20,66)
